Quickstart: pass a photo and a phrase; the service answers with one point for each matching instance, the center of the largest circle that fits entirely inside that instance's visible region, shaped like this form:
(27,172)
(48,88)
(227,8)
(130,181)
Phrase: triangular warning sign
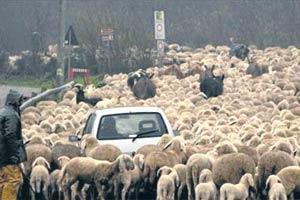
(70,38)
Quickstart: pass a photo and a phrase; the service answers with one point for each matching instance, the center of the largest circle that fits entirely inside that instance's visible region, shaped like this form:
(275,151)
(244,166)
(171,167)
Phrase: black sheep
(256,70)
(141,85)
(81,98)
(211,85)
(144,88)
(240,51)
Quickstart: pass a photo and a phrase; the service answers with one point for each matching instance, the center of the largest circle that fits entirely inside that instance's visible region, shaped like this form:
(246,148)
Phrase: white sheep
(230,191)
(132,178)
(290,178)
(88,170)
(40,177)
(275,188)
(206,189)
(167,183)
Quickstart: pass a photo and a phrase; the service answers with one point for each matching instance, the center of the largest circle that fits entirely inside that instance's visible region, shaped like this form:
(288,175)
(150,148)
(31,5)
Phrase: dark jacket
(12,149)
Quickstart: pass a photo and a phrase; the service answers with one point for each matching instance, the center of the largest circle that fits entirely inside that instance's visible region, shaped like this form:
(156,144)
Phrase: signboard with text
(107,34)
(159,25)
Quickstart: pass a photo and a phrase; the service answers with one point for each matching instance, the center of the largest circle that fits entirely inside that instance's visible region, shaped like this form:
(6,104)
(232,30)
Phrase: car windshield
(129,125)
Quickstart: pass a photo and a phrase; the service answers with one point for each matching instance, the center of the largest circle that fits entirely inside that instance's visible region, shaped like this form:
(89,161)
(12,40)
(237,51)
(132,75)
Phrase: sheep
(290,177)
(34,151)
(250,151)
(55,175)
(230,167)
(133,178)
(275,188)
(195,164)
(93,149)
(181,170)
(153,161)
(80,97)
(176,149)
(225,147)
(229,191)
(60,149)
(206,189)
(88,170)
(39,178)
(167,183)
(165,139)
(271,163)
(211,85)
(144,88)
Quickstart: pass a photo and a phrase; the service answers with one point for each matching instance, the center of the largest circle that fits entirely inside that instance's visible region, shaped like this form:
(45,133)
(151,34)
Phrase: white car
(128,128)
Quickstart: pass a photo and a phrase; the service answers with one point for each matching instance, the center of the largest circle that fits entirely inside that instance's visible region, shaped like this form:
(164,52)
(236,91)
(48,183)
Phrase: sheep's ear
(251,181)
(267,186)
(47,164)
(158,173)
(34,163)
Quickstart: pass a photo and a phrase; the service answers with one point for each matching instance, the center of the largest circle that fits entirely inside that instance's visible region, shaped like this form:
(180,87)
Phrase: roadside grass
(45,84)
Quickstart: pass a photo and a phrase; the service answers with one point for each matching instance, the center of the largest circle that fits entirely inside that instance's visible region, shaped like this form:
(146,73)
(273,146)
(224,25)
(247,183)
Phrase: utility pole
(61,58)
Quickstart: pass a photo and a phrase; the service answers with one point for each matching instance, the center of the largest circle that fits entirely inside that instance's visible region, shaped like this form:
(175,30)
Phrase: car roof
(119,110)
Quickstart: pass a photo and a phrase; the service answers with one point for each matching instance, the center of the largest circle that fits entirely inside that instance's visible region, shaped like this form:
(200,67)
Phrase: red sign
(107,34)
(86,72)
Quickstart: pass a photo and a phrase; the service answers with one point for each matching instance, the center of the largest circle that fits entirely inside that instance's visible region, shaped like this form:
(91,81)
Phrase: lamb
(167,183)
(275,188)
(230,191)
(87,170)
(55,175)
(195,165)
(206,189)
(39,178)
(133,178)
(290,179)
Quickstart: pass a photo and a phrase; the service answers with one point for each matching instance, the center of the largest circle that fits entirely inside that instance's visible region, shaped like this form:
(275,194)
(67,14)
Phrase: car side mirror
(74,138)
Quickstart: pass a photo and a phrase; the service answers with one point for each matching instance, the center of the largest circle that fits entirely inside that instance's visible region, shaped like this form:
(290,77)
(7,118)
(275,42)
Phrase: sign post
(160,35)
(107,35)
(70,41)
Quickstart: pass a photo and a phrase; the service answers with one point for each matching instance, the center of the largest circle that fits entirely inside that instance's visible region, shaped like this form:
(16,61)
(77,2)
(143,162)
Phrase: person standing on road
(12,149)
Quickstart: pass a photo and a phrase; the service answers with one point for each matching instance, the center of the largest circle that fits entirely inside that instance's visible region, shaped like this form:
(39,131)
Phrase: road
(26,91)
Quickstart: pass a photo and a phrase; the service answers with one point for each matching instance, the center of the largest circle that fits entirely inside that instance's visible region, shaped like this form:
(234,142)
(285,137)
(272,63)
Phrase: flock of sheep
(242,144)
